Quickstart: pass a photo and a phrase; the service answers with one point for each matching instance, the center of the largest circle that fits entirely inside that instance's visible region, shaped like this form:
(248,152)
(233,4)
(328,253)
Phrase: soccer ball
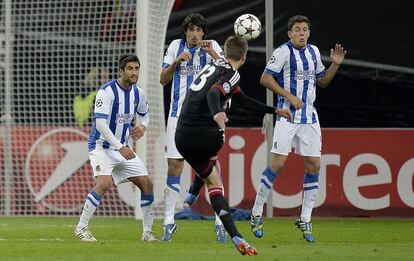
(247,26)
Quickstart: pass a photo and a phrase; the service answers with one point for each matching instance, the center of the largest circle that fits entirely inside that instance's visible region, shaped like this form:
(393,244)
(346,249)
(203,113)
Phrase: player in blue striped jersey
(183,61)
(293,72)
(116,104)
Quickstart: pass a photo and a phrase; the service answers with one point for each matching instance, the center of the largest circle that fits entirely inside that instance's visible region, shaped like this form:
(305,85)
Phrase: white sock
(266,185)
(310,191)
(171,194)
(91,204)
(147,212)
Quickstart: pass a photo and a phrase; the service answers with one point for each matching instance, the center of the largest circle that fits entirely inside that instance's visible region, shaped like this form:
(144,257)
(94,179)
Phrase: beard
(127,82)
(132,80)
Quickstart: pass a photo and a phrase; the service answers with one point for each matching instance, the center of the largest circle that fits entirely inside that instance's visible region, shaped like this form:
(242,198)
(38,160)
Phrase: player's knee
(103,184)
(277,162)
(149,186)
(175,167)
(276,165)
(313,168)
(313,165)
(145,185)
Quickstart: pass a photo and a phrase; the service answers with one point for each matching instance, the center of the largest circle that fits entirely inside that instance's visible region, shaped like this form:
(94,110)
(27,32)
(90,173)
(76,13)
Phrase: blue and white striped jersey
(186,71)
(297,70)
(119,107)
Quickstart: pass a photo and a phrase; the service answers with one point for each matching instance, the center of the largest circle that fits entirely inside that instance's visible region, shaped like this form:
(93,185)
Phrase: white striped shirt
(119,107)
(186,71)
(297,70)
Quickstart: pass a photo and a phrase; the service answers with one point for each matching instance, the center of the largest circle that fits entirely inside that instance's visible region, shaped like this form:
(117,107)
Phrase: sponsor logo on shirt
(192,69)
(305,75)
(124,118)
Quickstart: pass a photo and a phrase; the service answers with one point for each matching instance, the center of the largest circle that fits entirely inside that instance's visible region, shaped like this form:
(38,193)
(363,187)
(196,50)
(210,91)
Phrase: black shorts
(198,148)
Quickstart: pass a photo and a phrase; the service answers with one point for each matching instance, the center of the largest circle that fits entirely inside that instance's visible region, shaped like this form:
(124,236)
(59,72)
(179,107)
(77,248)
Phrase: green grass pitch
(119,239)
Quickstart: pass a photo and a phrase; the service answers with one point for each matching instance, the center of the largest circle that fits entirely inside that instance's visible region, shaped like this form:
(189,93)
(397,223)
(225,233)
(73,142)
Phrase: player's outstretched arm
(337,57)
(337,54)
(256,105)
(252,104)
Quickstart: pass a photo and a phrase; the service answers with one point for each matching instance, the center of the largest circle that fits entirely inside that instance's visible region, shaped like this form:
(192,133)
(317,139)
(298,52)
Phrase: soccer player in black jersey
(201,125)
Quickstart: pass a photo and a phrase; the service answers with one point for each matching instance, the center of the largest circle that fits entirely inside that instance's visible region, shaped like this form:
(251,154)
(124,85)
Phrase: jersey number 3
(198,84)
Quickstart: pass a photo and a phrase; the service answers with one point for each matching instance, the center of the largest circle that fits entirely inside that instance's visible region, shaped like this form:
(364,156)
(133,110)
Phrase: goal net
(53,57)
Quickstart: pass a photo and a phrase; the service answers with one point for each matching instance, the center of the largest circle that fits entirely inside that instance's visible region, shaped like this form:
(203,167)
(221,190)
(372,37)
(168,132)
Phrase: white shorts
(111,162)
(171,151)
(305,138)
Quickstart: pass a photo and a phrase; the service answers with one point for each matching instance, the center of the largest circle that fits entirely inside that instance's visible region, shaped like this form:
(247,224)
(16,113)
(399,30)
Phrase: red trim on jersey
(219,87)
(236,90)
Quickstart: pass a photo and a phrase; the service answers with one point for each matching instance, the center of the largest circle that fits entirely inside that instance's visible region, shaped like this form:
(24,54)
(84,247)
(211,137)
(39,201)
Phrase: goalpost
(150,49)
(53,57)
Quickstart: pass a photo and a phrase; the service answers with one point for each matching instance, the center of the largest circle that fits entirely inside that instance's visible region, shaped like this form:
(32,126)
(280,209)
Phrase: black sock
(196,186)
(220,204)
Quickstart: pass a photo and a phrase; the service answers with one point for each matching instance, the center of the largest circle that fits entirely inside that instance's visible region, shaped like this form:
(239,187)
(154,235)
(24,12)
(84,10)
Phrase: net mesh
(61,52)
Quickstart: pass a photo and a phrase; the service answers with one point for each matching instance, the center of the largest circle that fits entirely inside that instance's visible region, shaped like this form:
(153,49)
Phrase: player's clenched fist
(184,57)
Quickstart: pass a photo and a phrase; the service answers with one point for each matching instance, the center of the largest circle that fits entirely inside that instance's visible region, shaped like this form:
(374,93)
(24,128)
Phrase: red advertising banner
(364,172)
(51,174)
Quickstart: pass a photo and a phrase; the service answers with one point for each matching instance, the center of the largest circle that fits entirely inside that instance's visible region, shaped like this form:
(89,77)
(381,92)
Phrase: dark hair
(194,20)
(235,47)
(297,19)
(127,58)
